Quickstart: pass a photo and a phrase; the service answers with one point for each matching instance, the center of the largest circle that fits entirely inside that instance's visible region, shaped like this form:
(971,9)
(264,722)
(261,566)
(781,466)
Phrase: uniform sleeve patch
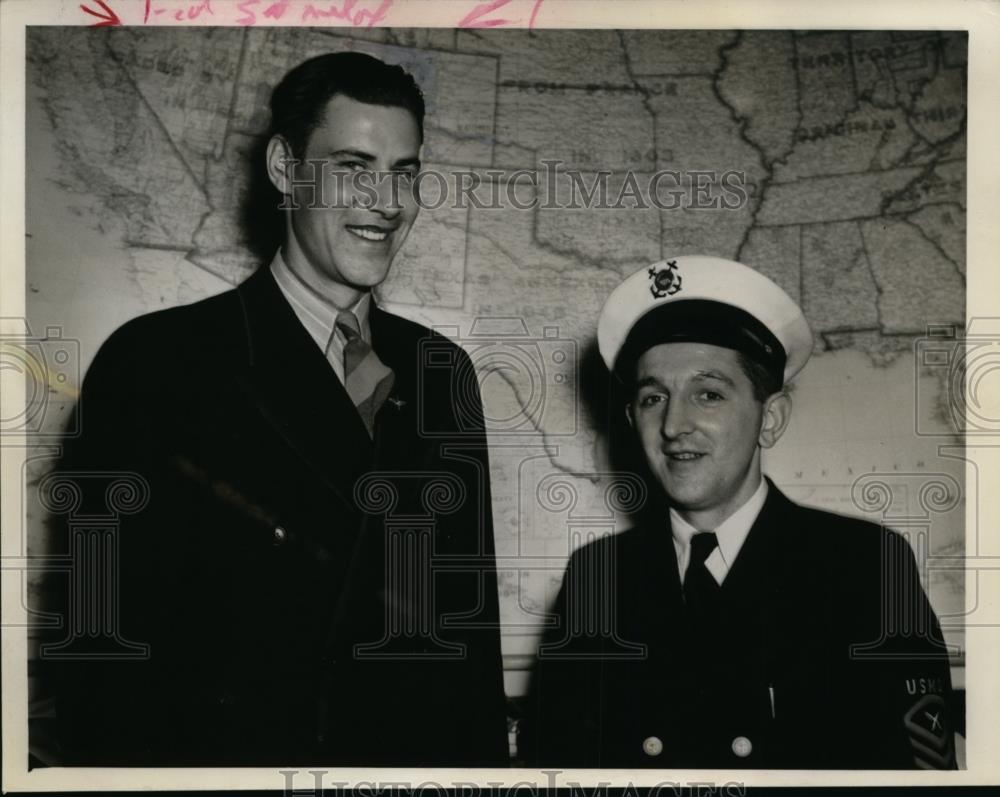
(930,733)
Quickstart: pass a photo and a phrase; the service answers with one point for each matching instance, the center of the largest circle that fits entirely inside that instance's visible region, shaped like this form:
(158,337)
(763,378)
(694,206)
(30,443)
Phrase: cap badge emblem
(665,281)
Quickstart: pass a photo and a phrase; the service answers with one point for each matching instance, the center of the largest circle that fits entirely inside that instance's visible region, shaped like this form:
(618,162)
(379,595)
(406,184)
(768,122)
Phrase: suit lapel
(659,615)
(296,390)
(765,594)
(772,558)
(398,441)
(661,594)
(752,572)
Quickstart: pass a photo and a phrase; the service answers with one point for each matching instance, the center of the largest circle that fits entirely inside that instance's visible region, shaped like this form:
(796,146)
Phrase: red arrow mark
(109,17)
(534,13)
(472,19)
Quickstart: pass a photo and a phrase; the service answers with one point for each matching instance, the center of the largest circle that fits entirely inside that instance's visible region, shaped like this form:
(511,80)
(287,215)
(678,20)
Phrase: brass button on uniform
(742,746)
(280,535)
(652,746)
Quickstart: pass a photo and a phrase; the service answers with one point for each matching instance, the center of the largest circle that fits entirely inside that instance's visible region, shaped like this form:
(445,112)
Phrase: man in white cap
(731,627)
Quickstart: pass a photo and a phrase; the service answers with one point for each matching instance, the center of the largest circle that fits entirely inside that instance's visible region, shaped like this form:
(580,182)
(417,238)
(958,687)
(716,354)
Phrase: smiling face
(344,244)
(701,428)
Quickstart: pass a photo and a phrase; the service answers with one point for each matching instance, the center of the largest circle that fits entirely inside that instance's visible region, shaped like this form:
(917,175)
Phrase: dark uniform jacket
(279,569)
(826,654)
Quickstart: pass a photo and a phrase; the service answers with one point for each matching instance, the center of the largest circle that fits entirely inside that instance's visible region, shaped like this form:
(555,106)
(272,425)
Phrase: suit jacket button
(742,747)
(652,746)
(280,535)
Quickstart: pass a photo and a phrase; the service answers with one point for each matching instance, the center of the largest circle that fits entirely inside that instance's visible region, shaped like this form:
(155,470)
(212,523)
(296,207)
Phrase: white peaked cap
(687,285)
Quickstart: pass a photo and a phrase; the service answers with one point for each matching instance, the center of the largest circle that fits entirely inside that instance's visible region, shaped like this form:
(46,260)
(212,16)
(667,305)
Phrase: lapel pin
(396,402)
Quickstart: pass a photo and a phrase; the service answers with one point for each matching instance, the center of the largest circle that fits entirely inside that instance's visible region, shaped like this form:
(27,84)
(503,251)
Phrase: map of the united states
(849,148)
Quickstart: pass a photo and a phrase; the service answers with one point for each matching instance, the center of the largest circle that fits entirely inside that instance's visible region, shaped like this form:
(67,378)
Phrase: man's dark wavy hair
(300,99)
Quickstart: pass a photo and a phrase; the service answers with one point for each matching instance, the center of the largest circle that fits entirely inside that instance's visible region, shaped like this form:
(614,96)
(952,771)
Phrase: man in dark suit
(731,627)
(298,564)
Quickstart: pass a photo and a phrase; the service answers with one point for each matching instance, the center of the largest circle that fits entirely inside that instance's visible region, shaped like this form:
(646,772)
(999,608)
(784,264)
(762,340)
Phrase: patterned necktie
(367,379)
(700,587)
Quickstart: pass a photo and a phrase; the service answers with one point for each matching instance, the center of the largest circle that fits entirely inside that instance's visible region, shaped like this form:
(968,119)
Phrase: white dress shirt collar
(317,313)
(731,534)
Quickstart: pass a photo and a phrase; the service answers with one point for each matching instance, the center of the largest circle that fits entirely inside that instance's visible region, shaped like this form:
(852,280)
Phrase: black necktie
(700,587)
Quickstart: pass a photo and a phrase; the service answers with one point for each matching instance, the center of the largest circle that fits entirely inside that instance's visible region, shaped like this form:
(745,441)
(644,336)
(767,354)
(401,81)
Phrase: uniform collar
(317,313)
(731,533)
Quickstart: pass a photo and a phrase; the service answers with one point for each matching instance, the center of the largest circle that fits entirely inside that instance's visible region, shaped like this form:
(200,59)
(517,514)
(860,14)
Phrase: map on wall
(849,146)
